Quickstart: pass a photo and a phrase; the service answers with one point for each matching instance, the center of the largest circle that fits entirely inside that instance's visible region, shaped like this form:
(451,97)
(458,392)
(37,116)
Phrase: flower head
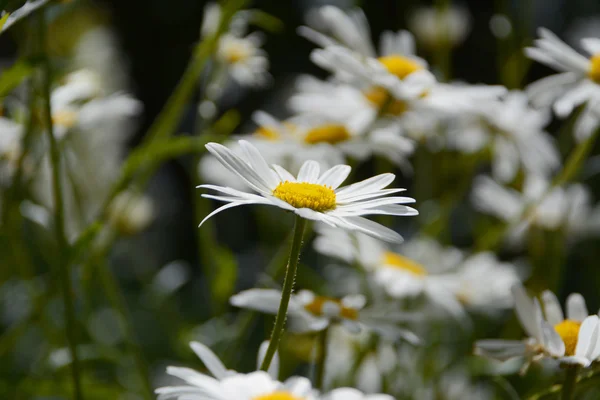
(310,195)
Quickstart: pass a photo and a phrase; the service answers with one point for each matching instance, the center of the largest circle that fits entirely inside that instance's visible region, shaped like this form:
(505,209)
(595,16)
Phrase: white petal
(587,340)
(334,176)
(259,164)
(500,349)
(576,308)
(367,186)
(552,309)
(274,366)
(373,229)
(309,172)
(222,208)
(591,45)
(264,300)
(525,311)
(283,173)
(210,360)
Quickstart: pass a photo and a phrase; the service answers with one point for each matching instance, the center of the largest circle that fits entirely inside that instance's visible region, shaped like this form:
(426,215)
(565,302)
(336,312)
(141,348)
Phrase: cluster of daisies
(385,295)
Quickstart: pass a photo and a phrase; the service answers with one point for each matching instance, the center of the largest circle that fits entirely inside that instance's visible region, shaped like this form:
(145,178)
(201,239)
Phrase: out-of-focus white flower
(568,206)
(575,340)
(578,81)
(247,63)
(422,268)
(500,26)
(436,28)
(131,213)
(516,134)
(226,384)
(311,195)
(353,394)
(307,311)
(483,284)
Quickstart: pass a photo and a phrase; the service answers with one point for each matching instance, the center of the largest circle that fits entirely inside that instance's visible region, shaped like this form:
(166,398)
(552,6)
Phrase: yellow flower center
(236,52)
(399,65)
(330,133)
(400,262)
(267,133)
(306,195)
(381,98)
(277,396)
(316,307)
(594,72)
(64,118)
(568,331)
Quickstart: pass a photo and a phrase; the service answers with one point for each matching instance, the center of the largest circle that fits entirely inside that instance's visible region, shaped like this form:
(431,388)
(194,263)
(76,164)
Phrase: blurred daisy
(578,81)
(516,134)
(247,63)
(421,268)
(569,206)
(307,311)
(436,28)
(251,386)
(11,134)
(575,340)
(311,195)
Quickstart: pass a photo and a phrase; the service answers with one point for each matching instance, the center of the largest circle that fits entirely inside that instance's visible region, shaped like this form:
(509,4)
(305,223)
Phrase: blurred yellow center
(267,133)
(400,262)
(306,195)
(316,307)
(277,396)
(330,133)
(381,98)
(236,52)
(64,118)
(568,330)
(594,72)
(400,66)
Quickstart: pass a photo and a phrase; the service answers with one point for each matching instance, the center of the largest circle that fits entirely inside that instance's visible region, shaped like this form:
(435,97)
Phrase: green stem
(320,373)
(59,222)
(288,286)
(117,300)
(568,389)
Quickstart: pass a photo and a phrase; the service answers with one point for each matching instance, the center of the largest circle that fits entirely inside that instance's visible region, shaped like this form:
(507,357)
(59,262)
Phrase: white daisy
(516,134)
(257,385)
(307,311)
(569,207)
(575,340)
(247,63)
(11,134)
(422,268)
(311,195)
(578,81)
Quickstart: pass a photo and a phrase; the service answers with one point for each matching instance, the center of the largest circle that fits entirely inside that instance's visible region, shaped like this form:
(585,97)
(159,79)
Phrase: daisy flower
(310,195)
(11,134)
(574,340)
(247,63)
(353,394)
(516,134)
(568,206)
(307,311)
(578,81)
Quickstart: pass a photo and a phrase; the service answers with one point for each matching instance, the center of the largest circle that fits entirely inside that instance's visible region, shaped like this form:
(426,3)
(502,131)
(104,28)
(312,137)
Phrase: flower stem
(568,389)
(288,286)
(320,373)
(62,266)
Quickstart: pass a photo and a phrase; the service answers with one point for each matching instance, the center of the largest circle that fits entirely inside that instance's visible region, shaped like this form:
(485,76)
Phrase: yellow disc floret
(398,261)
(594,71)
(400,66)
(316,307)
(329,133)
(66,118)
(279,395)
(568,330)
(306,195)
(382,99)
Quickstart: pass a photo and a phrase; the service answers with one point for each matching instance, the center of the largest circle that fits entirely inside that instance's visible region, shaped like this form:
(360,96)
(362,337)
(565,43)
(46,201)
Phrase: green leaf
(13,76)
